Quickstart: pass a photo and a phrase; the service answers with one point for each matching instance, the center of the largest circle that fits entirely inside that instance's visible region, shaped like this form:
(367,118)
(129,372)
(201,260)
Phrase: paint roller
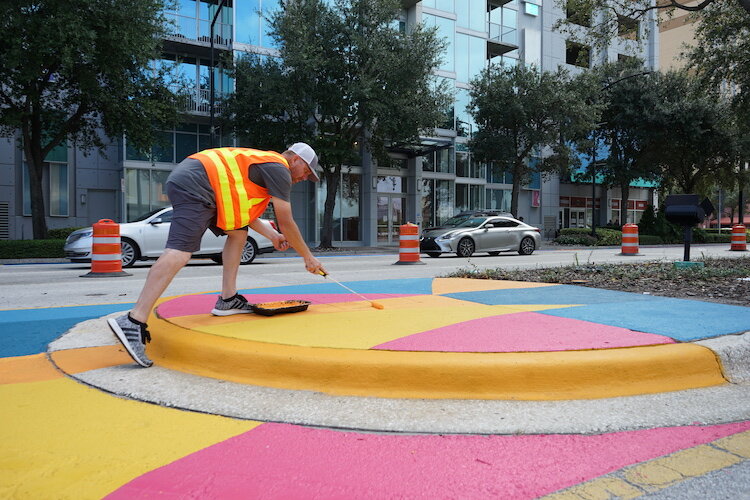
(374,304)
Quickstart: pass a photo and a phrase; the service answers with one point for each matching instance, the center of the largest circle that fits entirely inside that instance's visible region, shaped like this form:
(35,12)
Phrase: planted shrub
(31,249)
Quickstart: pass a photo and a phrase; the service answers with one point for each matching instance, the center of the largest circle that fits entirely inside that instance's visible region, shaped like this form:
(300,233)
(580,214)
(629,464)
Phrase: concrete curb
(554,375)
(733,352)
(157,385)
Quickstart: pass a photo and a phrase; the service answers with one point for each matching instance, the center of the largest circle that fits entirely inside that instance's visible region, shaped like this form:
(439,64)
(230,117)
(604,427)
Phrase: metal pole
(688,236)
(212,137)
(593,191)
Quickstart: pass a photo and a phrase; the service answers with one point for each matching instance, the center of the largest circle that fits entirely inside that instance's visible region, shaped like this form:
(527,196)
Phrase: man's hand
(314,266)
(279,242)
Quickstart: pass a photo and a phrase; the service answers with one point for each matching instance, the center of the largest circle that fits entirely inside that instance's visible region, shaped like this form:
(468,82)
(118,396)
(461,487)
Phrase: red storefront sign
(564,201)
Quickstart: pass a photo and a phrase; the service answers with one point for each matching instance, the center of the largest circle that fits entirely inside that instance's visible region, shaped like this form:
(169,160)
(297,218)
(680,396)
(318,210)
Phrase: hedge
(32,249)
(61,232)
(582,236)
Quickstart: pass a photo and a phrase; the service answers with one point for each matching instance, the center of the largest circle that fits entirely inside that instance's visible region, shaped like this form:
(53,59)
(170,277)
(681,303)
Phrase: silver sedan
(480,234)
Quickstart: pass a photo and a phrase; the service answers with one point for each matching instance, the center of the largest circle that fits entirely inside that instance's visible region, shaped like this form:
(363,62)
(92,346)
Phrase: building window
(438,161)
(59,192)
(498,199)
(577,54)
(443,200)
(173,146)
(578,13)
(497,175)
(346,217)
(192,20)
(462,164)
(628,28)
(531,9)
(446,30)
(469,197)
(631,60)
(144,191)
(55,177)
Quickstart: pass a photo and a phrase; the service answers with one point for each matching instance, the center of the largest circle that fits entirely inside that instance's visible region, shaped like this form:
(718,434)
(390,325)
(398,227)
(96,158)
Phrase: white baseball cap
(307,153)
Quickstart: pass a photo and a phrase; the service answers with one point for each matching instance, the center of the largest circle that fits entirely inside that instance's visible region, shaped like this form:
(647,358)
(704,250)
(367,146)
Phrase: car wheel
(129,252)
(249,252)
(494,253)
(434,255)
(527,246)
(465,247)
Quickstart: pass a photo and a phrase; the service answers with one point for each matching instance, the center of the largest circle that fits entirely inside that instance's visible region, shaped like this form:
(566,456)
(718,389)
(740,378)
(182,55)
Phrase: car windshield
(147,215)
(472,222)
(455,221)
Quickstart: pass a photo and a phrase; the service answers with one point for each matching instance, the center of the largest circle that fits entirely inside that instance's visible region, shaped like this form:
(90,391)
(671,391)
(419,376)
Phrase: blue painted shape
(683,320)
(28,331)
(557,294)
(413,286)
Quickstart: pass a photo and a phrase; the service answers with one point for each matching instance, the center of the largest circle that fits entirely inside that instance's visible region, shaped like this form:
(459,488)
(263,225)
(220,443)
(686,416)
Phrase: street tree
(73,71)
(694,140)
(520,112)
(346,73)
(630,101)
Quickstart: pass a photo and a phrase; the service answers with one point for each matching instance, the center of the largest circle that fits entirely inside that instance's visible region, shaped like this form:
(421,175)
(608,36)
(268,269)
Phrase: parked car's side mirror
(157,220)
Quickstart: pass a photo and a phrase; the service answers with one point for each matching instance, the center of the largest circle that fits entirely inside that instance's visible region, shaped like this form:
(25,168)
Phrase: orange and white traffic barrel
(629,239)
(408,244)
(106,256)
(739,238)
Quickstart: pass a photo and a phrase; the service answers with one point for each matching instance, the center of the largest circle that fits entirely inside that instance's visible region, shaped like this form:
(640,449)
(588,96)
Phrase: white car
(145,238)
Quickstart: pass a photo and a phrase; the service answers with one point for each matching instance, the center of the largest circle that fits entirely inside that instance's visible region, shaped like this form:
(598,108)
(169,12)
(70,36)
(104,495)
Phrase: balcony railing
(199,30)
(506,35)
(198,101)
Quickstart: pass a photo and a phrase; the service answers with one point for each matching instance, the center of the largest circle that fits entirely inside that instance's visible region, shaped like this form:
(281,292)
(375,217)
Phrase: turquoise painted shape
(28,331)
(413,286)
(557,294)
(680,319)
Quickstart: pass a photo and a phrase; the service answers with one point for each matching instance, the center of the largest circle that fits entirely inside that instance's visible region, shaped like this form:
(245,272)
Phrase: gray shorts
(190,219)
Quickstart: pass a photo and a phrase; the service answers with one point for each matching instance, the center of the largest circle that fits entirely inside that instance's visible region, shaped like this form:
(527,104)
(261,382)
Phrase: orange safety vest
(238,200)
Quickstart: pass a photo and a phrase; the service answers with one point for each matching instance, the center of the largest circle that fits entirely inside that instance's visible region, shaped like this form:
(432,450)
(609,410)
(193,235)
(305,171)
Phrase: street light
(211,77)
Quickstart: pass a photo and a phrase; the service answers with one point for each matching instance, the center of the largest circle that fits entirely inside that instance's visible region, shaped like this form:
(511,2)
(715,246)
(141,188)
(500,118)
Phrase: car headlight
(445,236)
(75,236)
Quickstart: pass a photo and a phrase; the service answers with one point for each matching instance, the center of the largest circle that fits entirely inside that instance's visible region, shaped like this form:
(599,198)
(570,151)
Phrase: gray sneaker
(133,335)
(233,305)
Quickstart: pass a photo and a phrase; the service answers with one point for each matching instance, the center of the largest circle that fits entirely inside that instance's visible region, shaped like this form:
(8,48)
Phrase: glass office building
(373,200)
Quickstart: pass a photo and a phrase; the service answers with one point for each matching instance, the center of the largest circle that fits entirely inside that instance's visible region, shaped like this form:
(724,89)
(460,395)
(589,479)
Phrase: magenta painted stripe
(202,304)
(526,331)
(286,461)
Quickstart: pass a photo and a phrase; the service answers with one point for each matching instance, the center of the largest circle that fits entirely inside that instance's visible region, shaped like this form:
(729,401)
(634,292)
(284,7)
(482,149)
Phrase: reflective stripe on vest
(239,201)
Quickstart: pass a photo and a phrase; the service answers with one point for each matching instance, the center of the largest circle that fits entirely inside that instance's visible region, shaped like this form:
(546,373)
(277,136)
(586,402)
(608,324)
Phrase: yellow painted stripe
(239,186)
(226,194)
(64,440)
(654,475)
(601,373)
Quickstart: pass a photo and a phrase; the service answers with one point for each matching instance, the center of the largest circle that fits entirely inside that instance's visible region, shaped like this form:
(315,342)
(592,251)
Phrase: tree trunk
(624,195)
(35,164)
(516,190)
(332,187)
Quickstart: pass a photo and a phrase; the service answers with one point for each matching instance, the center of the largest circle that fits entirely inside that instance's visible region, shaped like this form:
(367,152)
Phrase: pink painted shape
(525,331)
(286,461)
(202,304)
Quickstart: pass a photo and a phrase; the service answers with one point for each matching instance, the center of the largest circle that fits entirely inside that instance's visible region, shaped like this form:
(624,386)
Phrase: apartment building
(425,184)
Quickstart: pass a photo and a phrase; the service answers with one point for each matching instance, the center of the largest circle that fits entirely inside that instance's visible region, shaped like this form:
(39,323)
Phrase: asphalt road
(56,284)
